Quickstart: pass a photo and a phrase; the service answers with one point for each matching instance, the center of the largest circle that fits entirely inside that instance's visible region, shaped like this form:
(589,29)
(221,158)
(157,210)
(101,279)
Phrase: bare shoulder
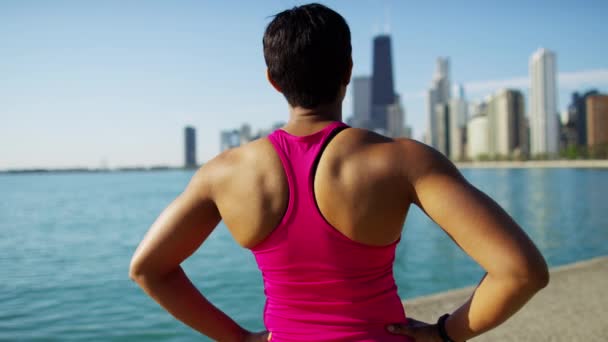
(356,144)
(246,161)
(421,160)
(411,158)
(358,137)
(248,189)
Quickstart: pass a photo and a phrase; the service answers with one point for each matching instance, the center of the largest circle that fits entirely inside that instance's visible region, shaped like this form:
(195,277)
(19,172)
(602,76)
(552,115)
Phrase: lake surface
(66,241)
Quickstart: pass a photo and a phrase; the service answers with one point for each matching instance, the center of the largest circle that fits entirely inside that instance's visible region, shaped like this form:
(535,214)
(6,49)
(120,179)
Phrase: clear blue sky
(83,82)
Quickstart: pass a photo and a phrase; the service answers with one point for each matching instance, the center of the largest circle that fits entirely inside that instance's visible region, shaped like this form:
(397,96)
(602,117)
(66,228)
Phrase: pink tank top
(319,284)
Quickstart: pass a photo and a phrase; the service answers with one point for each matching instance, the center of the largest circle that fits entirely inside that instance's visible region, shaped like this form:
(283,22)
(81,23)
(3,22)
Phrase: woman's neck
(304,121)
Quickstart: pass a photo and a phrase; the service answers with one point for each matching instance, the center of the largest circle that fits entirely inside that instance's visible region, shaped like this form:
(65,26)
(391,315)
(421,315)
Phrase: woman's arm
(181,228)
(515,268)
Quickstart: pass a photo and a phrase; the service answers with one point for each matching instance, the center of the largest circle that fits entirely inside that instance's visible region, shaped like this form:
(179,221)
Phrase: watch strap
(441,328)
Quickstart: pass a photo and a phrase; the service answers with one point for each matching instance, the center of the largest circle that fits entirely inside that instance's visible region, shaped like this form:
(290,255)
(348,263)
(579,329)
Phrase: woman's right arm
(515,268)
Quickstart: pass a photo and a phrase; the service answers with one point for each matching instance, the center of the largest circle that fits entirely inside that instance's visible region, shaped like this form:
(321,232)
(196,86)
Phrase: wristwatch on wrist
(441,328)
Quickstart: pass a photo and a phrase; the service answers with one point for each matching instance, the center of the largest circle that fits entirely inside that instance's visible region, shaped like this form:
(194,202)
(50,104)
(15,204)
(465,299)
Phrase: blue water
(66,241)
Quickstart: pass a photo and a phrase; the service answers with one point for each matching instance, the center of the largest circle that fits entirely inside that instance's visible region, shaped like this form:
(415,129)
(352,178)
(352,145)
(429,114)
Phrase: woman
(322,207)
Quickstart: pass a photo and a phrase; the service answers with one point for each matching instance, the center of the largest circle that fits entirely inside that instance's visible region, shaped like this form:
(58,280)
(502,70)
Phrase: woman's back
(321,285)
(359,188)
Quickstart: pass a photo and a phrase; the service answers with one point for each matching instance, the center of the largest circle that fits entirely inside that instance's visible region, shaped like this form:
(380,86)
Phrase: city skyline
(136,83)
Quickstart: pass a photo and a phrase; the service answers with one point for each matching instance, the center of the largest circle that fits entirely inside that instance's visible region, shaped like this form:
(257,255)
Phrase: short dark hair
(308,54)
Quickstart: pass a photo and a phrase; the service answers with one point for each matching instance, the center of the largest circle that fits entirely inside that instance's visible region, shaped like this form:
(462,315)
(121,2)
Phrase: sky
(114,83)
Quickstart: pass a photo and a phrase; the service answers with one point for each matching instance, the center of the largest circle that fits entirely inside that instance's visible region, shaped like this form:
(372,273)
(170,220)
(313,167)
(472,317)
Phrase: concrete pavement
(573,307)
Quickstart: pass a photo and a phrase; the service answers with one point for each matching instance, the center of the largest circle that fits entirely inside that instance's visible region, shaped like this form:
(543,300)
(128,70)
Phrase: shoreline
(571,308)
(530,164)
(534,164)
(86,170)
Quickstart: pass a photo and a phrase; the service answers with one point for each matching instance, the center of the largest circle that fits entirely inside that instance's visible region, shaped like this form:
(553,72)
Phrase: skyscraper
(506,124)
(189,147)
(442,114)
(577,116)
(442,79)
(597,121)
(544,135)
(383,91)
(457,110)
(362,105)
(477,131)
(439,93)
(463,114)
(396,120)
(431,130)
(458,122)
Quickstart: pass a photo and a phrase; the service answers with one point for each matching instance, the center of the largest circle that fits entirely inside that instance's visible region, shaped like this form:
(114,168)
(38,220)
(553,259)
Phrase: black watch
(441,328)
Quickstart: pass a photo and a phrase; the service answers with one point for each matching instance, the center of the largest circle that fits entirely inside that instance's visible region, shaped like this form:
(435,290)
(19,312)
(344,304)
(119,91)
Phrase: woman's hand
(258,337)
(419,331)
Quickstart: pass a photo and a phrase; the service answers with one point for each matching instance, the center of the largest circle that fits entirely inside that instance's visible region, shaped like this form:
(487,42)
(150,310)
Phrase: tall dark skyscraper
(383,91)
(189,147)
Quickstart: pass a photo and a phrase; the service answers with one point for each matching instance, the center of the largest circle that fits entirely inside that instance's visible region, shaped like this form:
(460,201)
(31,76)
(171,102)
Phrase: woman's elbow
(539,270)
(136,271)
(535,275)
(144,271)
(542,276)
(528,274)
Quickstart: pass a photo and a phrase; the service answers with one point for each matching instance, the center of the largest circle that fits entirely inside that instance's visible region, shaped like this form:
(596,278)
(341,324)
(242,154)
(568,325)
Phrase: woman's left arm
(180,229)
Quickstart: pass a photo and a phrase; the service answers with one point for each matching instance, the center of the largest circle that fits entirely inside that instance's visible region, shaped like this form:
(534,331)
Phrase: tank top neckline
(314,135)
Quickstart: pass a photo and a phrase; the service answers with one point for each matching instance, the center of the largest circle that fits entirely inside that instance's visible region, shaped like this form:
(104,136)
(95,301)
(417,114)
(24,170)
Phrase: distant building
(229,139)
(376,106)
(576,125)
(563,117)
(362,101)
(190,147)
(463,116)
(458,121)
(477,140)
(597,121)
(383,90)
(457,111)
(506,124)
(439,93)
(236,137)
(430,137)
(396,120)
(245,134)
(442,117)
(543,103)
(442,76)
(408,132)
